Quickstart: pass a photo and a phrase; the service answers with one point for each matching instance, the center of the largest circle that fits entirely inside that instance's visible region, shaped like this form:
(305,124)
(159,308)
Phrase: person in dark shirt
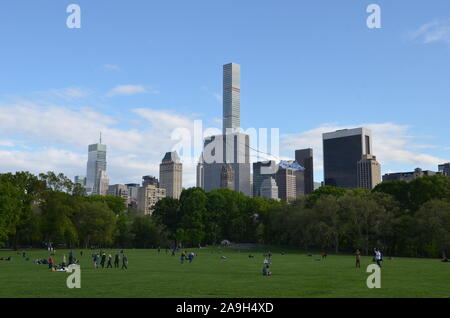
(358,258)
(102,262)
(109,261)
(116,261)
(124,262)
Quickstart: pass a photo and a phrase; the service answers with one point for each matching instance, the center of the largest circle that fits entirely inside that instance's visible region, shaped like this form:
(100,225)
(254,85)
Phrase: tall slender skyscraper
(305,178)
(342,150)
(232,147)
(231,96)
(95,179)
(170,174)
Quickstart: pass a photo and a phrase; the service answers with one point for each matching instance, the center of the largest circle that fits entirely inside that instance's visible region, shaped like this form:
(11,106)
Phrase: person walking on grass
(102,262)
(378,257)
(116,261)
(182,257)
(95,259)
(124,262)
(109,261)
(358,258)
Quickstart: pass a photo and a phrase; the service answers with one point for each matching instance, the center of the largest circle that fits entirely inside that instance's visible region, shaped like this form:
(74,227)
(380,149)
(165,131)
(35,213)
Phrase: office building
(407,176)
(119,190)
(269,189)
(342,150)
(148,196)
(231,97)
(444,169)
(170,174)
(103,183)
(369,172)
(285,179)
(227,177)
(262,170)
(232,147)
(81,180)
(150,180)
(133,189)
(304,178)
(95,165)
(199,180)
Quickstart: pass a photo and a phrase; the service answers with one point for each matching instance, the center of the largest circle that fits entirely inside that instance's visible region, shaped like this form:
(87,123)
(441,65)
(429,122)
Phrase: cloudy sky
(142,72)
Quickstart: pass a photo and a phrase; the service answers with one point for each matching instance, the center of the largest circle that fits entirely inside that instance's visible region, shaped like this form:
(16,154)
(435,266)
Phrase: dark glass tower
(305,179)
(342,150)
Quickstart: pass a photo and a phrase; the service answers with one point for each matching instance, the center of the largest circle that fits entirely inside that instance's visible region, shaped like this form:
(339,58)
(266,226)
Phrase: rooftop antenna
(100,137)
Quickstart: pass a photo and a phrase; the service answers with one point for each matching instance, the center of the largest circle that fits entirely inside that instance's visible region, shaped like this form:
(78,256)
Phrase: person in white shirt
(378,257)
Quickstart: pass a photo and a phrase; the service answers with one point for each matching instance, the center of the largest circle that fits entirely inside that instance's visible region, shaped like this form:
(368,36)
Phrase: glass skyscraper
(231,96)
(342,150)
(96,169)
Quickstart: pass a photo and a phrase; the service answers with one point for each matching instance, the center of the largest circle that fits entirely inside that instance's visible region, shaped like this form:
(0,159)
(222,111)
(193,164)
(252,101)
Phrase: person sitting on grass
(266,271)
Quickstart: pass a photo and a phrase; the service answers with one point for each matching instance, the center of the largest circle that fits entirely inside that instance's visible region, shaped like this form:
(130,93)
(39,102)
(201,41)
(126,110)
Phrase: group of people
(378,257)
(185,256)
(101,258)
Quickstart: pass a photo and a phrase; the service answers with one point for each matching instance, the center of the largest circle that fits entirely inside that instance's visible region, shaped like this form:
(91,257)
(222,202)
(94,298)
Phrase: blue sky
(139,69)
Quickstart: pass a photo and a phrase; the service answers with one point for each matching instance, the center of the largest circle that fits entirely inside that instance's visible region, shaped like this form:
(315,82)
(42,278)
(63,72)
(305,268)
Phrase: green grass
(151,274)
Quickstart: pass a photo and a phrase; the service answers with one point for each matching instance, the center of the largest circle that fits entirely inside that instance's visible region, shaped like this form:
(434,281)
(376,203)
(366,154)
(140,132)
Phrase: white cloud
(127,90)
(435,31)
(111,67)
(132,153)
(67,93)
(6,143)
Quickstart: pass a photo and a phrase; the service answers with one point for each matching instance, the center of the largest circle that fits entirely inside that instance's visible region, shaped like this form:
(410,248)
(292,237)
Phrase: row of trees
(410,219)
(403,218)
(50,208)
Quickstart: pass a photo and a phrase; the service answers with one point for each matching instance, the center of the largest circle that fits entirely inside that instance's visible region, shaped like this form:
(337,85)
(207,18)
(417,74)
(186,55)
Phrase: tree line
(402,218)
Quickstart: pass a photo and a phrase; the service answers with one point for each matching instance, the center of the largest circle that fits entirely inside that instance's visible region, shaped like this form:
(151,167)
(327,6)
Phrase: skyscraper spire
(100,137)
(231,96)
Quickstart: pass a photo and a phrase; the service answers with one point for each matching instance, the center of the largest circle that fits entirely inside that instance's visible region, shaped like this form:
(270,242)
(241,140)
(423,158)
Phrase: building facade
(305,178)
(231,97)
(262,170)
(342,150)
(170,174)
(119,190)
(95,165)
(150,180)
(444,169)
(81,180)
(285,179)
(369,172)
(407,176)
(133,189)
(269,189)
(147,198)
(103,183)
(233,146)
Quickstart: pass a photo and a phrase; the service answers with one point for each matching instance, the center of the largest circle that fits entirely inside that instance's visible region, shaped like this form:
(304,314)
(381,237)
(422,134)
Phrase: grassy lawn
(295,274)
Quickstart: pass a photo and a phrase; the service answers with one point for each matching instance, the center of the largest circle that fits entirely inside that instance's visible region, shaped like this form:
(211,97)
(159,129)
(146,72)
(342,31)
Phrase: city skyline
(323,79)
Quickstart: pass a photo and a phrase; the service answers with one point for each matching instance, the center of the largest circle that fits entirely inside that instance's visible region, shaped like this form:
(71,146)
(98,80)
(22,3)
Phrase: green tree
(433,221)
(148,233)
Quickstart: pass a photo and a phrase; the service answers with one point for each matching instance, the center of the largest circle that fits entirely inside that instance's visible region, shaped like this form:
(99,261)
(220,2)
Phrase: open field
(295,274)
